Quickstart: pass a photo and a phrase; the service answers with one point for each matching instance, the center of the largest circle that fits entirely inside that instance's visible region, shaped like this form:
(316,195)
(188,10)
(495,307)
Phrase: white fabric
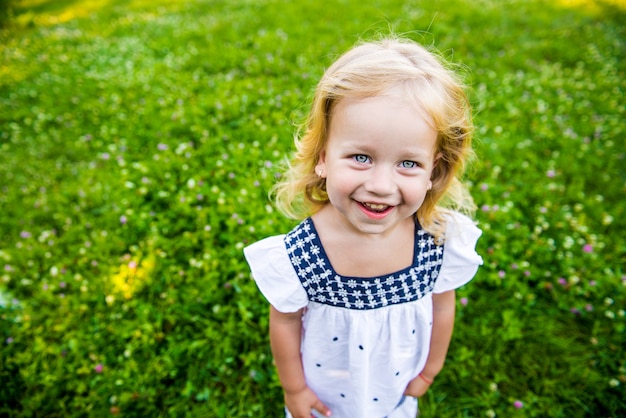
(359,362)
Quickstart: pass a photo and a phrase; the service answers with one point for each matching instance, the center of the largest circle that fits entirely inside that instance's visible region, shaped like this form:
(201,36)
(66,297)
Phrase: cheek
(416,194)
(340,186)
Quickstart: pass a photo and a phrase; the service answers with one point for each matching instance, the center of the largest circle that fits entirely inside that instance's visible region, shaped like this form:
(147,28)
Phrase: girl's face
(377,162)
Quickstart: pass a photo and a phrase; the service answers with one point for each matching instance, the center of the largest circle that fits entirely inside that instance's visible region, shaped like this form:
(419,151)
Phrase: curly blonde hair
(371,69)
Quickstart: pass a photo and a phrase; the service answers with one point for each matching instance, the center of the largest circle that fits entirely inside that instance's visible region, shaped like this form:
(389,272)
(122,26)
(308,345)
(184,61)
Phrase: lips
(376,211)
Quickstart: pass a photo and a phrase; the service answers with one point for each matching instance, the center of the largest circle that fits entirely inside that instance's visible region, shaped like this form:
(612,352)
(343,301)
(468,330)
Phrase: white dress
(364,339)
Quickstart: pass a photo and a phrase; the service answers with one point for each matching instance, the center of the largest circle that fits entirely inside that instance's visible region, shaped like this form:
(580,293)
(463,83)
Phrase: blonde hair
(371,69)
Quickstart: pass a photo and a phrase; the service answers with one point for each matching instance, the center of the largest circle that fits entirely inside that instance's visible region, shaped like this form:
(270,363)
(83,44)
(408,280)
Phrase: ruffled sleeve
(274,275)
(460,260)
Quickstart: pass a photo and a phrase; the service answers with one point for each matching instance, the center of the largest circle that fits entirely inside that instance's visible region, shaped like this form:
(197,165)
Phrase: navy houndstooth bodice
(324,285)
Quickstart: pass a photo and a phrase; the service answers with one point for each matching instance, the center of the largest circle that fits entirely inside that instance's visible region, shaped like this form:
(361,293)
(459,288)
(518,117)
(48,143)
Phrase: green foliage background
(139,139)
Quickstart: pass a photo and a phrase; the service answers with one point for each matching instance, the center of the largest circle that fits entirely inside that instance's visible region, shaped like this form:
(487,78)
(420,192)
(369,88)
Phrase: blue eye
(361,158)
(408,164)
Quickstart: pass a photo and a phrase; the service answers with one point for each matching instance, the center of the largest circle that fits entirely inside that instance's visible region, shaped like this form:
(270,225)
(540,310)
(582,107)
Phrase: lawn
(139,140)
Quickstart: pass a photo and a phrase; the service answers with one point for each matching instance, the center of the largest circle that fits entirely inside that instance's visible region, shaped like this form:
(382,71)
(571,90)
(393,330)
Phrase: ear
(320,167)
(436,159)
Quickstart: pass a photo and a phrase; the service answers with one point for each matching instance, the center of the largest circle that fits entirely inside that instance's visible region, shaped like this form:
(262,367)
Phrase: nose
(381,181)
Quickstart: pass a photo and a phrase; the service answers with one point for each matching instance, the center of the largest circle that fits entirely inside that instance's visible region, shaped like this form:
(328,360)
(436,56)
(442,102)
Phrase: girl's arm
(443,324)
(285,337)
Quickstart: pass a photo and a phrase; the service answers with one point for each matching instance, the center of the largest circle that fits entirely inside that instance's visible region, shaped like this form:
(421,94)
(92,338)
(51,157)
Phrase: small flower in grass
(562,281)
(575,311)
(550,173)
(501,274)
(62,285)
(9,340)
(25,234)
(589,307)
(587,248)
(484,187)
(162,147)
(518,404)
(98,368)
(485,208)
(464,301)
(123,220)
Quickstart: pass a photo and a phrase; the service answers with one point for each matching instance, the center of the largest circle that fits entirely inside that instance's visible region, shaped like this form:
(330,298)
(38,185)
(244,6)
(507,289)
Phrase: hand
(300,404)
(417,387)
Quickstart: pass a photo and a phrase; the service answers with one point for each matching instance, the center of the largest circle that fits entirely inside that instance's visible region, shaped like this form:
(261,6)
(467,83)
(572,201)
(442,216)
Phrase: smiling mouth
(375,207)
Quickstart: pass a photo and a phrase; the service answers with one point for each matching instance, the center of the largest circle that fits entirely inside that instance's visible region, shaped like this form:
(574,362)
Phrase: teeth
(376,207)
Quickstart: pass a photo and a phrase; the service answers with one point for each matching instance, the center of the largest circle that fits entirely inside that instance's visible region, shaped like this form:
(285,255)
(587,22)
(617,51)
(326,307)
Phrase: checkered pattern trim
(325,286)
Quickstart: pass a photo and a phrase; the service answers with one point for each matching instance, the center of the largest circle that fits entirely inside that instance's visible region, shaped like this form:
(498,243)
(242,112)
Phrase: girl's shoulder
(274,275)
(460,227)
(460,259)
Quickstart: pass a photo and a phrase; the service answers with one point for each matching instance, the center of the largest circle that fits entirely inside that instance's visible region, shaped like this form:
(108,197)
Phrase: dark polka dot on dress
(375,399)
(397,373)
(342,395)
(335,339)
(360,347)
(318,365)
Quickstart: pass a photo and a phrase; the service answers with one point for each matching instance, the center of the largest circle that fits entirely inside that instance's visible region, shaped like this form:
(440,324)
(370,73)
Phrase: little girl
(362,290)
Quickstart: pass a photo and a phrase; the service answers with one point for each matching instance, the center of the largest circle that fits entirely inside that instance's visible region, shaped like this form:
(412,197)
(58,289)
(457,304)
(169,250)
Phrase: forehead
(399,96)
(391,119)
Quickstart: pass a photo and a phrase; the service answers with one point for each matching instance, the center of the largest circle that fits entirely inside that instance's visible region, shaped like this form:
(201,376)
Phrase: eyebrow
(355,147)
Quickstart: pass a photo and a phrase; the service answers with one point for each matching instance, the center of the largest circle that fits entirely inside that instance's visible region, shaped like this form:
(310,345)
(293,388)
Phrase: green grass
(139,139)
